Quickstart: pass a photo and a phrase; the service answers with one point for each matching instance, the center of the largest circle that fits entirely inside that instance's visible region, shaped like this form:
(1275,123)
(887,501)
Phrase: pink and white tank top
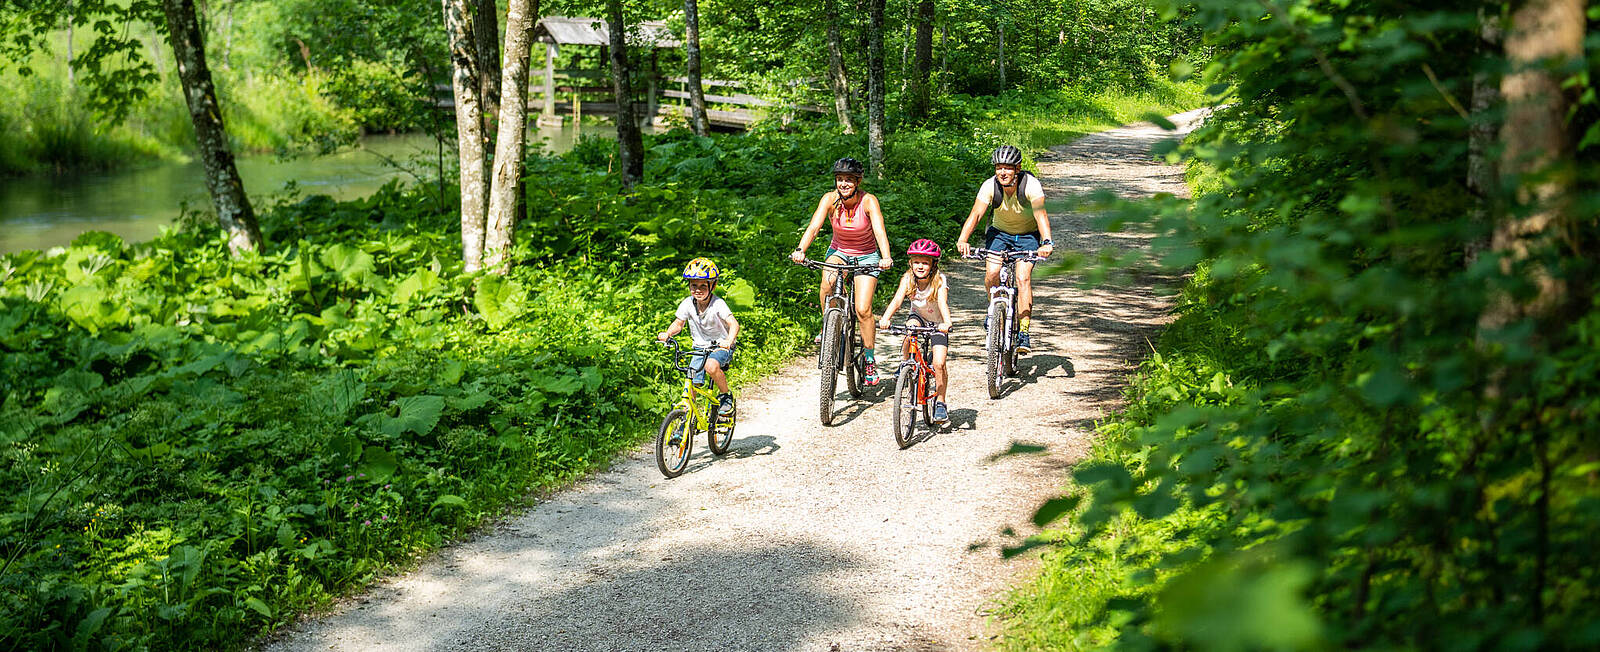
(852,230)
(923,302)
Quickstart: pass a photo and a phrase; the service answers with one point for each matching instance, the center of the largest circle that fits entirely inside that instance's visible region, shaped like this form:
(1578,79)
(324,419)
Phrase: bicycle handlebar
(678,352)
(817,264)
(1026,256)
(898,329)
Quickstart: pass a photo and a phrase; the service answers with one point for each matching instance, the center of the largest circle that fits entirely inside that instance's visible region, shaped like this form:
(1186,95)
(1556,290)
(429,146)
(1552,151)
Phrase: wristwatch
(1047,241)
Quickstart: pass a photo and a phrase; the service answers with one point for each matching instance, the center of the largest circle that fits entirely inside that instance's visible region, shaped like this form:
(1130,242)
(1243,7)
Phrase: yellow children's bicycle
(695,412)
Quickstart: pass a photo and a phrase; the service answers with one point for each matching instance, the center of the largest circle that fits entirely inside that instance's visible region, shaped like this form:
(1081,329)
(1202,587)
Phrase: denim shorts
(697,363)
(869,259)
(996,240)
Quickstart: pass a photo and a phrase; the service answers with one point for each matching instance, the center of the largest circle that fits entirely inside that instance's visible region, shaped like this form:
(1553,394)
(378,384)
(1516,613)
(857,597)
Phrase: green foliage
(1329,448)
(203,445)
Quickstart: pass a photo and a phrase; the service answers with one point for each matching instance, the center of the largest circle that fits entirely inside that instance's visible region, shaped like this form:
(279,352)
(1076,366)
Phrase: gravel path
(806,537)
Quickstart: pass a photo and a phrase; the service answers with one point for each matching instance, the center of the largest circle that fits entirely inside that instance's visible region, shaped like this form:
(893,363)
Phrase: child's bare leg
(714,371)
(939,353)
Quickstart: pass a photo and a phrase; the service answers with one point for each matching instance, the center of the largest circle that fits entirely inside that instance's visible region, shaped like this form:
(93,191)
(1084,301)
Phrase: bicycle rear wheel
(673,444)
(905,406)
(832,327)
(994,348)
(719,430)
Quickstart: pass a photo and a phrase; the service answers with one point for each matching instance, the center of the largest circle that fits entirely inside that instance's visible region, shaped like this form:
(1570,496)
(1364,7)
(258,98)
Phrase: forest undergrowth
(201,446)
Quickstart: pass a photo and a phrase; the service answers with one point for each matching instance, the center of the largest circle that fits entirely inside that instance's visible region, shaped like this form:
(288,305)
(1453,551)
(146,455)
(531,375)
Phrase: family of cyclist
(1019,223)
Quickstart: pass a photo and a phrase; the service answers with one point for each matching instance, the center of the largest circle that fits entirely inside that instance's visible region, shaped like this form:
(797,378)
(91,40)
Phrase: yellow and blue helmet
(701,268)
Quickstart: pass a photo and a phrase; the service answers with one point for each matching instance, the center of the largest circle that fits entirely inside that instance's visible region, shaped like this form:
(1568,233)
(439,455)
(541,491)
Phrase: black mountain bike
(841,350)
(1000,342)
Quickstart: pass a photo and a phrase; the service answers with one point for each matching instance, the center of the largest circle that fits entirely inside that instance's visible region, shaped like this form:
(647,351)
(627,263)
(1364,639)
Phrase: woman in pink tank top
(858,239)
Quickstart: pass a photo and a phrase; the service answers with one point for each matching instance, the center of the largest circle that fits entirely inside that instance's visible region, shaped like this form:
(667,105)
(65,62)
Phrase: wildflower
(386,486)
(367,522)
(349,478)
(361,475)
(384,517)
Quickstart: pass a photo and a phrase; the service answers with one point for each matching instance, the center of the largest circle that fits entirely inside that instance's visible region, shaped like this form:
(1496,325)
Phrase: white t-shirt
(708,326)
(1013,215)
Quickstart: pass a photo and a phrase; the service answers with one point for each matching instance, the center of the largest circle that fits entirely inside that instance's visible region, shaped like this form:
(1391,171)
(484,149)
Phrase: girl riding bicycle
(930,306)
(858,239)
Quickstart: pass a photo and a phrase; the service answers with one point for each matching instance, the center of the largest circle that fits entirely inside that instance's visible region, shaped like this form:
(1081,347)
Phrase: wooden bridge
(571,93)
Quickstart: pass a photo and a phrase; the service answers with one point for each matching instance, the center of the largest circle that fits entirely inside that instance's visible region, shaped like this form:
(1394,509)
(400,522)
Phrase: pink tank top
(852,231)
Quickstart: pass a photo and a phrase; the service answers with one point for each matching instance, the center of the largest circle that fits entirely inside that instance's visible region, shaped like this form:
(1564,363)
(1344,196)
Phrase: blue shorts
(869,259)
(697,363)
(996,240)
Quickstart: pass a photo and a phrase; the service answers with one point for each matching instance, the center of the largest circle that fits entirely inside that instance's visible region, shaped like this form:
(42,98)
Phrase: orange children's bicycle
(914,387)
(695,412)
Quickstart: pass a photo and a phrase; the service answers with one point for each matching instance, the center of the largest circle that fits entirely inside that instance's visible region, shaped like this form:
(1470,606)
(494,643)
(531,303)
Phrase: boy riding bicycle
(1019,223)
(930,306)
(711,326)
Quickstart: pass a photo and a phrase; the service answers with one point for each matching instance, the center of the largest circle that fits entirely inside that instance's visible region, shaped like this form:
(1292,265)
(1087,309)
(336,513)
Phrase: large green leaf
(415,414)
(339,392)
(499,300)
(420,283)
(353,265)
(378,464)
(739,293)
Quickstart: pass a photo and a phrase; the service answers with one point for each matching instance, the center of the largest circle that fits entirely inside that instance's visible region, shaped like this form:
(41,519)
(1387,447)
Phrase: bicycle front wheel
(854,368)
(832,334)
(994,348)
(719,432)
(673,443)
(905,406)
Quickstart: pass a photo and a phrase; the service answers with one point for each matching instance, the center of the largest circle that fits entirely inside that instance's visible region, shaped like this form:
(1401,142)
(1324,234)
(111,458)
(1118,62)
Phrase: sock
(868,354)
(1024,324)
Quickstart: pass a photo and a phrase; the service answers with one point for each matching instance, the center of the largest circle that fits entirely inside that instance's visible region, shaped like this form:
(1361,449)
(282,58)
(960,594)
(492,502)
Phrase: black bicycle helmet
(848,165)
(1006,155)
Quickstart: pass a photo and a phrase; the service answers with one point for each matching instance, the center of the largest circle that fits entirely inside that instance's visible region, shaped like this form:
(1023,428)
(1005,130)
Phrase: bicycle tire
(855,368)
(673,443)
(905,407)
(832,322)
(719,430)
(994,348)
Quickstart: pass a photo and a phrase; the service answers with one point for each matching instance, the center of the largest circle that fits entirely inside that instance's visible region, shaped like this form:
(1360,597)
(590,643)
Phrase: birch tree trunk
(469,133)
(836,71)
(521,16)
(486,36)
(630,144)
(875,87)
(222,176)
(922,64)
(944,54)
(1542,37)
(691,51)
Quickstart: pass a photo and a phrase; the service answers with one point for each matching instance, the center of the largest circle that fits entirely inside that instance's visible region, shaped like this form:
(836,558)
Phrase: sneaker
(817,339)
(1024,343)
(941,414)
(870,377)
(725,405)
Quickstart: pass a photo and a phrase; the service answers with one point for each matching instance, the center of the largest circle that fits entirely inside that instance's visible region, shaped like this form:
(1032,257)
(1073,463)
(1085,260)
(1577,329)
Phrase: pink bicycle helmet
(923,247)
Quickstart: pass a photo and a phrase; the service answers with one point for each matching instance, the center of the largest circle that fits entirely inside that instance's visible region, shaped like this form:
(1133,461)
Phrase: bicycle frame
(1006,289)
(699,414)
(917,355)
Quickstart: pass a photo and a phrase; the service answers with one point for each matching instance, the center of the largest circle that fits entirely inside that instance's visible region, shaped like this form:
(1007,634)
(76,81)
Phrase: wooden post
(548,115)
(651,100)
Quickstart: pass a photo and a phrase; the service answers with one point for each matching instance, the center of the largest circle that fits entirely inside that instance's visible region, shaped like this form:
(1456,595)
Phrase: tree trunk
(944,54)
(875,87)
(1483,131)
(836,71)
(486,36)
(521,16)
(923,64)
(1000,55)
(222,177)
(469,133)
(905,49)
(691,52)
(1543,36)
(630,144)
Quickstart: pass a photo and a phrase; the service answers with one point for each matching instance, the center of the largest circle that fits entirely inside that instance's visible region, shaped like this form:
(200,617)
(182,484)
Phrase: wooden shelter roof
(563,30)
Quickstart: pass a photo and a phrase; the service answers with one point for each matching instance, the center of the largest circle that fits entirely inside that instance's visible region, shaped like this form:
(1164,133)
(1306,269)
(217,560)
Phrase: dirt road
(806,537)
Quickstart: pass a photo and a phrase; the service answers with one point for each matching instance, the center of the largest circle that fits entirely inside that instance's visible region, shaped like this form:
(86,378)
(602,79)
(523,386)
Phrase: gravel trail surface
(806,537)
